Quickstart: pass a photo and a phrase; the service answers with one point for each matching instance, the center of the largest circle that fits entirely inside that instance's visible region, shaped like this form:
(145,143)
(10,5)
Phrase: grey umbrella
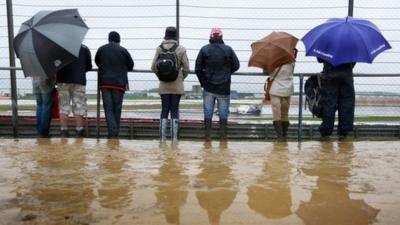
(49,41)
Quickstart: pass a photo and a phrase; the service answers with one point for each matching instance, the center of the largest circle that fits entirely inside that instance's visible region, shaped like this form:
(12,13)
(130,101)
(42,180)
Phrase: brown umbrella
(273,50)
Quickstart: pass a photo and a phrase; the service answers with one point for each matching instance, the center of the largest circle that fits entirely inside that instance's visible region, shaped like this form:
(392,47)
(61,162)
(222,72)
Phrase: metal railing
(299,94)
(252,20)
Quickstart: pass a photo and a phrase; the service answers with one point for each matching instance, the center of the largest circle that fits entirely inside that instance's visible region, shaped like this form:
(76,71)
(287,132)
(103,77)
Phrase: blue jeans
(43,112)
(170,103)
(112,104)
(223,102)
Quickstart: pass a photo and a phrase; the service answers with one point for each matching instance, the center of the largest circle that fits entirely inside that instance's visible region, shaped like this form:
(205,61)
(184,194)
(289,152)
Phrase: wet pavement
(89,181)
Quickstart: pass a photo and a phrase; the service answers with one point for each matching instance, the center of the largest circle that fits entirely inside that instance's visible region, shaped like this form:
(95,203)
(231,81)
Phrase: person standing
(214,65)
(71,85)
(170,89)
(43,89)
(114,62)
(281,89)
(337,89)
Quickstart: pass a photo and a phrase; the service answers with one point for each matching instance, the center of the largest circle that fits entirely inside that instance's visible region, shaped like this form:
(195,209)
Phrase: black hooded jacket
(346,68)
(75,73)
(114,62)
(214,65)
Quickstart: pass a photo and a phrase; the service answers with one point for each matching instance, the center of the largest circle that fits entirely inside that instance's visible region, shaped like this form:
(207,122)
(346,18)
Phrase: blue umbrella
(345,40)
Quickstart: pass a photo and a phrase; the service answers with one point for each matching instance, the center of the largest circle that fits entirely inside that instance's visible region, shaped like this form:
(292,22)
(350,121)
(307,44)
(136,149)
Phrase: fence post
(98,111)
(177,20)
(300,119)
(351,7)
(13,80)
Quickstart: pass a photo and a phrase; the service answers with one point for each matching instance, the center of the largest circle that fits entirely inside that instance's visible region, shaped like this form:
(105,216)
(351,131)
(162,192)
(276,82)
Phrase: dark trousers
(338,94)
(43,113)
(112,103)
(170,104)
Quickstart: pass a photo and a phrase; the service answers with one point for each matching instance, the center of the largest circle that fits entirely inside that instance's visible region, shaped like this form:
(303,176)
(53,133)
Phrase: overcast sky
(142,24)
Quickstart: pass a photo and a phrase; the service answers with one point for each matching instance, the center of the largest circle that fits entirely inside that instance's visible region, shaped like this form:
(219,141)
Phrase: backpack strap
(319,80)
(272,77)
(172,49)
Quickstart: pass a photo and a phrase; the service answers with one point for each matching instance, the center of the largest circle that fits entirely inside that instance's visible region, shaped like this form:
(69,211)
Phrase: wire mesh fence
(142,24)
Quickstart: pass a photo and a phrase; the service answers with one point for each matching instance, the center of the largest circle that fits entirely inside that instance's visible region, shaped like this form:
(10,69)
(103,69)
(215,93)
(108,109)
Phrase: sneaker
(64,133)
(80,133)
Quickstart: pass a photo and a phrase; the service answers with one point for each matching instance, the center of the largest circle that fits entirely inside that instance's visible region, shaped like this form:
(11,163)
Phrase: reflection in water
(172,184)
(87,181)
(115,180)
(59,189)
(216,177)
(330,203)
(270,196)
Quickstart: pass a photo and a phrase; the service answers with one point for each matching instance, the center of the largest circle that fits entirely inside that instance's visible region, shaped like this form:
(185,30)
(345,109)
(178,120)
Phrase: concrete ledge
(193,129)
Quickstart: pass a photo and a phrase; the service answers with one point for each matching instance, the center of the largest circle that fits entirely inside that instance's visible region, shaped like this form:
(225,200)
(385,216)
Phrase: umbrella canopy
(49,40)
(345,40)
(273,50)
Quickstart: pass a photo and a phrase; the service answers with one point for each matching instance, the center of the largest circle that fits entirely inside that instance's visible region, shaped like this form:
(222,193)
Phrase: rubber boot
(207,129)
(223,129)
(285,126)
(278,130)
(174,130)
(163,129)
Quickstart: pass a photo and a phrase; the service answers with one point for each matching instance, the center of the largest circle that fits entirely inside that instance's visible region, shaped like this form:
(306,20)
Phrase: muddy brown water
(89,181)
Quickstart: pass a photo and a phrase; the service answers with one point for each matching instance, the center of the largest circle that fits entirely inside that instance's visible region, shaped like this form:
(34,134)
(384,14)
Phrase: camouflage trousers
(72,96)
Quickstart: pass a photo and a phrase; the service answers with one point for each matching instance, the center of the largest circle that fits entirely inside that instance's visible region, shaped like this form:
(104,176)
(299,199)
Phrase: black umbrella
(49,41)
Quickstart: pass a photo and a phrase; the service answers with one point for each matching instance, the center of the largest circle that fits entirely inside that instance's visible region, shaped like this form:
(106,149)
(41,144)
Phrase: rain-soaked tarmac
(89,181)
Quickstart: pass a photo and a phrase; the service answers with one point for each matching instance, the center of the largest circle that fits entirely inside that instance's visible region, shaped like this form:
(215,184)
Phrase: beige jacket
(175,87)
(283,82)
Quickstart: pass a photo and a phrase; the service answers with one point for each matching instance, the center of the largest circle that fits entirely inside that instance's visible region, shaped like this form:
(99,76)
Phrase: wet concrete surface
(89,181)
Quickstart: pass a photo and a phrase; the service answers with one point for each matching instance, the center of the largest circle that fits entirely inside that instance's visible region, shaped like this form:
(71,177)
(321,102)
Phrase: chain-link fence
(142,25)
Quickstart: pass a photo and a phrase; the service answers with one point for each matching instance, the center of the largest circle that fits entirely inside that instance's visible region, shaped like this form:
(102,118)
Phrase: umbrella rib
(368,25)
(275,45)
(319,36)
(52,41)
(365,44)
(58,32)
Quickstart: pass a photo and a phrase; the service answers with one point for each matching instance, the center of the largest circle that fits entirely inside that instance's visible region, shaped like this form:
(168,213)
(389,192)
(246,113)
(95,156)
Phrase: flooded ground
(103,182)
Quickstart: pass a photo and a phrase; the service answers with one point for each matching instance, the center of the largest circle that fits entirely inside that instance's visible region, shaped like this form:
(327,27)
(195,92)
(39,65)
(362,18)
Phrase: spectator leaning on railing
(43,88)
(337,85)
(215,64)
(171,65)
(71,85)
(114,62)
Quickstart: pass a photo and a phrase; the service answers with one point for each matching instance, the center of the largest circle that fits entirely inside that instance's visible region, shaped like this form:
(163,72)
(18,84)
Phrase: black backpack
(314,100)
(166,64)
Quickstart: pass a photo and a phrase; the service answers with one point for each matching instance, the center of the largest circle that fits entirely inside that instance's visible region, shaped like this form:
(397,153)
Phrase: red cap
(216,32)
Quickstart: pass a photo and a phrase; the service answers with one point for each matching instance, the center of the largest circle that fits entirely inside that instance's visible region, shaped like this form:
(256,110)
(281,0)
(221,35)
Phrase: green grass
(356,119)
(125,107)
(377,119)
(199,107)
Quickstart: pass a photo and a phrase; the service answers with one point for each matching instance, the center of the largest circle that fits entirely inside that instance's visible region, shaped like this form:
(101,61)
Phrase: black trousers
(170,104)
(338,94)
(112,103)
